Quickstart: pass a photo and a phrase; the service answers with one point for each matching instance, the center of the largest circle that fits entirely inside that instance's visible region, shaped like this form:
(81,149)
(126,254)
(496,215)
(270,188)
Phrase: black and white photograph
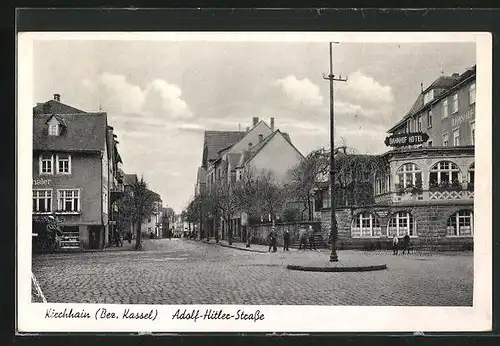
(210,170)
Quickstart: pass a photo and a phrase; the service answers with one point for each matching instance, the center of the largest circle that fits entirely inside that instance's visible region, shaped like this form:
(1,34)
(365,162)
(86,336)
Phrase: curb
(337,269)
(243,249)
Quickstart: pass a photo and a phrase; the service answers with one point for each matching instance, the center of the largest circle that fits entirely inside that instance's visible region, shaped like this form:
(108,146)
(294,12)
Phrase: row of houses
(227,155)
(424,188)
(78,176)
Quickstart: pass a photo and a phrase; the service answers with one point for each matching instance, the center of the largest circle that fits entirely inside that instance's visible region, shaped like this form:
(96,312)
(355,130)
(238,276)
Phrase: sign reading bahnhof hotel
(400,140)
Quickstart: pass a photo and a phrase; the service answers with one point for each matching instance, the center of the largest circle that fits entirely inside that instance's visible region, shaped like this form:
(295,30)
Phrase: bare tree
(137,206)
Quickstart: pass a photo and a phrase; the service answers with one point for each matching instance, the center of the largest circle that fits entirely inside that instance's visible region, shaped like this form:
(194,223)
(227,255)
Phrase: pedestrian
(286,240)
(395,242)
(311,239)
(406,244)
(302,238)
(272,240)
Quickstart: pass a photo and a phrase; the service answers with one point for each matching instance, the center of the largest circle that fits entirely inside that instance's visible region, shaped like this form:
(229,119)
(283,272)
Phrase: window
(419,123)
(454,105)
(456,138)
(472,93)
(63,163)
(69,200)
(42,201)
(429,143)
(401,224)
(445,139)
(444,172)
(429,96)
(429,118)
(445,108)
(470,177)
(365,225)
(46,164)
(327,201)
(53,129)
(408,174)
(473,132)
(461,224)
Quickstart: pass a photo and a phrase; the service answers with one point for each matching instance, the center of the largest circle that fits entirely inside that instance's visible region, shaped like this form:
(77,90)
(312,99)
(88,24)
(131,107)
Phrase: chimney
(249,146)
(255,120)
(57,97)
(272,124)
(261,138)
(421,87)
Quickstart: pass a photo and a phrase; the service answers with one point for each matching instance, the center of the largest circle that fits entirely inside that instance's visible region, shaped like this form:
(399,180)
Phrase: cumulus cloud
(119,95)
(301,91)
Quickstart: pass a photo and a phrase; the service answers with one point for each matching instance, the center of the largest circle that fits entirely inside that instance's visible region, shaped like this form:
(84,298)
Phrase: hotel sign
(404,139)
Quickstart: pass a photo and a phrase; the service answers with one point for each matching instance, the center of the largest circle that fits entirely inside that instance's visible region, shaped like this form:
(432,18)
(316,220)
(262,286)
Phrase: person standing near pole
(311,238)
(286,240)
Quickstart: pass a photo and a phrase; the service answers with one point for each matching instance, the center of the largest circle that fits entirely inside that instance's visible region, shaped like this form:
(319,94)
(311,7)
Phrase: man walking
(302,238)
(311,239)
(272,240)
(286,240)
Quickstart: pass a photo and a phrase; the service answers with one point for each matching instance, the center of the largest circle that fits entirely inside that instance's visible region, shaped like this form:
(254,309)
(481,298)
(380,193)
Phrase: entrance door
(94,237)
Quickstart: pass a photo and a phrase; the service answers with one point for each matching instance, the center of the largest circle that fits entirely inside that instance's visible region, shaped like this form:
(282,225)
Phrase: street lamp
(334,232)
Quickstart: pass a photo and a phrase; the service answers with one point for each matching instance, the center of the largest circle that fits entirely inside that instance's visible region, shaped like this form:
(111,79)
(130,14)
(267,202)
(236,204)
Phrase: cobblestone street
(191,272)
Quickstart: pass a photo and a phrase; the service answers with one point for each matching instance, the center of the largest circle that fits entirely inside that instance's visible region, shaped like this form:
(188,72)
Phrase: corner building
(425,190)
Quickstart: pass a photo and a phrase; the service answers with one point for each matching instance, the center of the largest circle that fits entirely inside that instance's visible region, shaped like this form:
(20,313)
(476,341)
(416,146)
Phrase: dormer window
(53,129)
(429,96)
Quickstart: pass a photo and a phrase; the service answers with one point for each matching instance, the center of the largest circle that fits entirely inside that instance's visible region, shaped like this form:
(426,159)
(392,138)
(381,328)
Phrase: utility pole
(334,232)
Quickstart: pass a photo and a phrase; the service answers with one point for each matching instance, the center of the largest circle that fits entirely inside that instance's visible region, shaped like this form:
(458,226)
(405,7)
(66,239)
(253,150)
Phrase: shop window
(461,224)
(401,224)
(42,201)
(444,173)
(365,225)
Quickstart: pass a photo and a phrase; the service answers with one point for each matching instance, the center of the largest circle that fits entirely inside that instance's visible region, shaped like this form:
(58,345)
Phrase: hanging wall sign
(404,139)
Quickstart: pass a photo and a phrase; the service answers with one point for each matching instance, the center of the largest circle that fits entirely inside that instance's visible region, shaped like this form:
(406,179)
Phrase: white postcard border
(276,318)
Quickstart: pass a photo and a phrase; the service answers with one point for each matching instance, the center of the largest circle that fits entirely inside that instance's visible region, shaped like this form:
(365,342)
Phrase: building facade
(424,190)
(75,172)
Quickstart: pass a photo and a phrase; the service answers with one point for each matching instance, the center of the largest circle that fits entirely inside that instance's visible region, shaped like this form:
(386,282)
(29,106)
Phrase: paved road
(186,272)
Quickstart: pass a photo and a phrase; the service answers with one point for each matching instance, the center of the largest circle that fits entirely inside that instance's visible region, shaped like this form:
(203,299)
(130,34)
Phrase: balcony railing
(451,192)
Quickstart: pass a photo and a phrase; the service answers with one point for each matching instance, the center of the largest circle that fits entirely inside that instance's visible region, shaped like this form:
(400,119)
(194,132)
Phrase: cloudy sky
(161,96)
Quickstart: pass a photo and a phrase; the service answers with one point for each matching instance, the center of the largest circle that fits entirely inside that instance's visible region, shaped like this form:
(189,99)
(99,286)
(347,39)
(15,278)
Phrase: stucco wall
(277,156)
(251,137)
(86,176)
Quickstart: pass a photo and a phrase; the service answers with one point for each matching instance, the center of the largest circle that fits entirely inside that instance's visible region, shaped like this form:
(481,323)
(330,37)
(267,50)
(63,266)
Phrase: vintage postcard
(254,182)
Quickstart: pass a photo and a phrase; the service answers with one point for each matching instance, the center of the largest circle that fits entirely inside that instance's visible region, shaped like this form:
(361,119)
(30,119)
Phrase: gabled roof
(55,107)
(447,84)
(83,132)
(250,154)
(217,140)
(58,118)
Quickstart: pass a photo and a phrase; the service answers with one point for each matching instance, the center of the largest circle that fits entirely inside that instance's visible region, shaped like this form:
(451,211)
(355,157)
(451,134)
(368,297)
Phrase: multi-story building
(424,190)
(75,172)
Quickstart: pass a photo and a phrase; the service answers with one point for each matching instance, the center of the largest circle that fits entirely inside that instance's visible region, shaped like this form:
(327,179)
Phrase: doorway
(95,237)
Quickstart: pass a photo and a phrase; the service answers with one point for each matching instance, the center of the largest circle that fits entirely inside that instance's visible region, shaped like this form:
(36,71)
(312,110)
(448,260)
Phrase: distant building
(153,224)
(76,173)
